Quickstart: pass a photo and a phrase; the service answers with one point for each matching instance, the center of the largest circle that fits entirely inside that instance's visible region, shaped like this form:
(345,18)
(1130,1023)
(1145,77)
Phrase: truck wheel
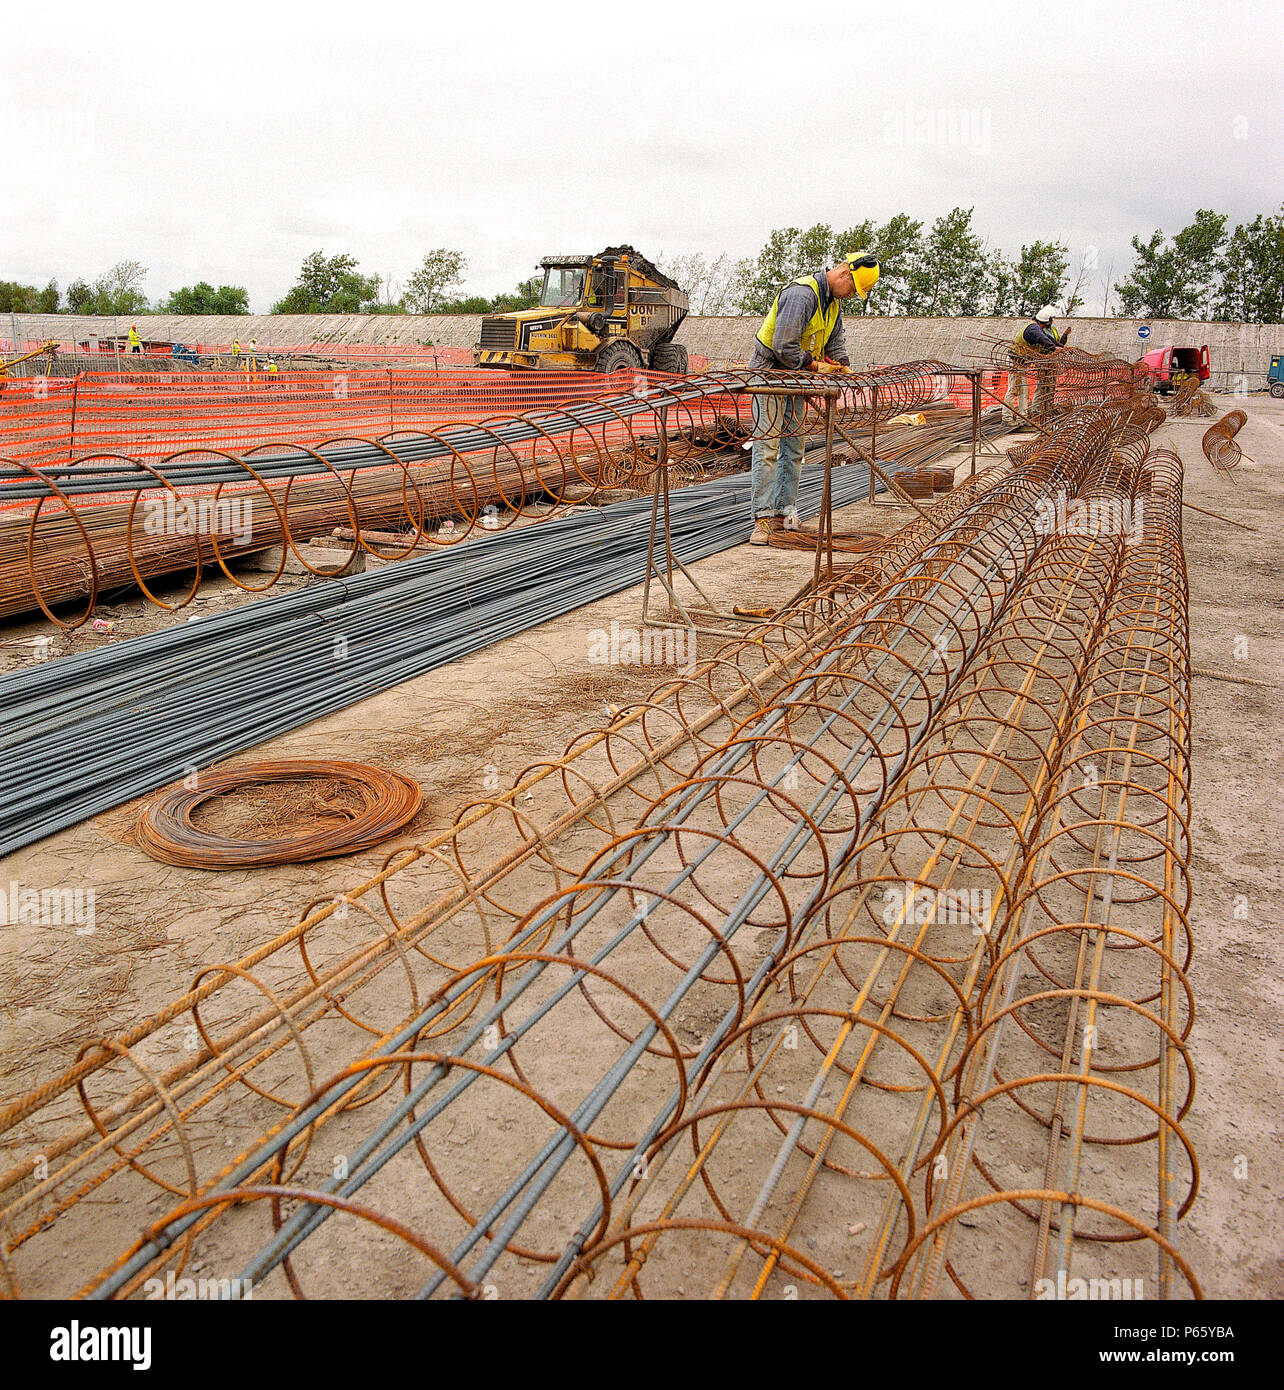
(670,357)
(1277,389)
(618,357)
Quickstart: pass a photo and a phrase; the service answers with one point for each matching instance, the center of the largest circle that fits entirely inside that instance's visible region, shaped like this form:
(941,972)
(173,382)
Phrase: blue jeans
(777,454)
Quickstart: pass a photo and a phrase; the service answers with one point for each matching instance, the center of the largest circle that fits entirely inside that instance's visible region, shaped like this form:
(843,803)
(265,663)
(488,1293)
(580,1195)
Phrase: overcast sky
(226,142)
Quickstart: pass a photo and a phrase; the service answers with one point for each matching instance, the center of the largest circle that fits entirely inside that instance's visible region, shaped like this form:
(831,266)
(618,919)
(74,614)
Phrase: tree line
(325,285)
(1207,270)
(1204,271)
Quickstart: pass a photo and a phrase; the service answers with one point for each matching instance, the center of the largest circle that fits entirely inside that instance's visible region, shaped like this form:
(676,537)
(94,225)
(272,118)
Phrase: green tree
(1003,285)
(474,304)
(429,286)
(1178,278)
(27,299)
(902,280)
(1251,288)
(330,285)
(120,290)
(788,253)
(1039,275)
(1199,255)
(80,298)
(955,269)
(203,298)
(1150,287)
(525,295)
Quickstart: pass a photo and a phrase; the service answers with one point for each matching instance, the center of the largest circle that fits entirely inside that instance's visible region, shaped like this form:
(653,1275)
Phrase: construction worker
(236,349)
(802,332)
(1036,340)
(135,342)
(271,368)
(254,355)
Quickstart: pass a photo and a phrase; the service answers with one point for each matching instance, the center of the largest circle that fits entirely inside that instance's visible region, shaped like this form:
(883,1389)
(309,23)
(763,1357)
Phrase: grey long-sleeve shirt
(797,305)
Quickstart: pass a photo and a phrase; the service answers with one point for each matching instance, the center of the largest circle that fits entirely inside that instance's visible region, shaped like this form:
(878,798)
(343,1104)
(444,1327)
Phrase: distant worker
(254,354)
(271,368)
(1037,339)
(802,332)
(135,342)
(236,347)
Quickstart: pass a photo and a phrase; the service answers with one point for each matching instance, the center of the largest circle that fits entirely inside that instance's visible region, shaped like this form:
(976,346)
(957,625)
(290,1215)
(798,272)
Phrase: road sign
(1144,331)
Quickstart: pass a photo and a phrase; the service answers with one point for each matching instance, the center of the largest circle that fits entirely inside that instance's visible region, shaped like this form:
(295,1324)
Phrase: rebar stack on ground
(579,982)
(89,731)
(1219,444)
(1191,401)
(76,529)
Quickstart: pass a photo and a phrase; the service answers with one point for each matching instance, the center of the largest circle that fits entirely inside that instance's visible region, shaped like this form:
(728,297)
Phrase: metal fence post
(71,442)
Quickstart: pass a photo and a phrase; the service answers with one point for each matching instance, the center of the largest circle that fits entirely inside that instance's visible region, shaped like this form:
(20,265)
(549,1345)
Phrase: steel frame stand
(695,617)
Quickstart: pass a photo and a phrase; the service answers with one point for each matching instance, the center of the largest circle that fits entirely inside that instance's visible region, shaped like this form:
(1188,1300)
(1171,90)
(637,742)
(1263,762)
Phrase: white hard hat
(1046,314)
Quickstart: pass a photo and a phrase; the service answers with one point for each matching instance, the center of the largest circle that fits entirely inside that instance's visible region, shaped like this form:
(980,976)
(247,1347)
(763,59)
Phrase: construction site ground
(520,700)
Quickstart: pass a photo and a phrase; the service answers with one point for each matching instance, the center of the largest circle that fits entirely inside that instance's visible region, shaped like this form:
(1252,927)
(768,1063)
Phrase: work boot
(762,529)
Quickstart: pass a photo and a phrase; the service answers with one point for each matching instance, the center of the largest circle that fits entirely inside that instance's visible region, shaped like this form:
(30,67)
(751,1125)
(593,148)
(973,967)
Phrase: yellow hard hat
(864,268)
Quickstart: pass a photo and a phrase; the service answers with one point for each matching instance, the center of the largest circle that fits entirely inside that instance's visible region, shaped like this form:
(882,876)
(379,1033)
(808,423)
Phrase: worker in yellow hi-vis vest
(803,331)
(135,342)
(1036,341)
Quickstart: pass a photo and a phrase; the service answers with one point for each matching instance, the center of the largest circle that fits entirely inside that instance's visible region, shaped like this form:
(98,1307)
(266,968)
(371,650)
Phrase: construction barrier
(46,420)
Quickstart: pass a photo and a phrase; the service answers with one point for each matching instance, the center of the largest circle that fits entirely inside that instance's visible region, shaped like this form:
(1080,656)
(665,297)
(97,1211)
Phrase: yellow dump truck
(604,313)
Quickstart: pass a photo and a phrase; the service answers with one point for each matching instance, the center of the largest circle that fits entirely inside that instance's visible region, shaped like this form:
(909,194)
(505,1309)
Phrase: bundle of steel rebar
(85,732)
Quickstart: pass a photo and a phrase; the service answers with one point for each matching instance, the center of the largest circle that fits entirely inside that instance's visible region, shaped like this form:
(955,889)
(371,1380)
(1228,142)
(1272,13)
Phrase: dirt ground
(523,698)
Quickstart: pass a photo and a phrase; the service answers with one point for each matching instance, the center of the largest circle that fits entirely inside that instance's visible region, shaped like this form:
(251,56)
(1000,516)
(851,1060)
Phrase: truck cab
(1168,367)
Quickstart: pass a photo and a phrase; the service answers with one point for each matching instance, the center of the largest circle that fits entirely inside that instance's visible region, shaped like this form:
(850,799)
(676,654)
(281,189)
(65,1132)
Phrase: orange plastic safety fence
(148,414)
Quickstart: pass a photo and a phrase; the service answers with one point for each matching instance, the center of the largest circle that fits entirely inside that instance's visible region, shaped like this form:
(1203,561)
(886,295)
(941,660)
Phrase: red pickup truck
(1166,367)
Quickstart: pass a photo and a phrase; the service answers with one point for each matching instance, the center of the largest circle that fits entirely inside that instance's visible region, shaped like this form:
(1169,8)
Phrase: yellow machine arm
(50,347)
